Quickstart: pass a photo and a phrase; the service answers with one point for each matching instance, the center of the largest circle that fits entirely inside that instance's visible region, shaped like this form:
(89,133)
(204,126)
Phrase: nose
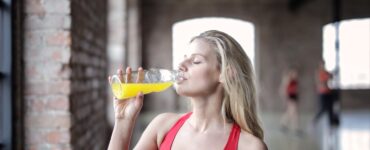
(182,66)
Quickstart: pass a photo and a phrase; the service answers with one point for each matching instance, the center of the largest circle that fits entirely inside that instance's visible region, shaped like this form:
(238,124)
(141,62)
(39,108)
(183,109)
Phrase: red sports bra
(232,143)
(292,87)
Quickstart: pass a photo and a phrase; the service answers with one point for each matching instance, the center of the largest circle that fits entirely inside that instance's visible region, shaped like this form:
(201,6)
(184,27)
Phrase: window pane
(354,52)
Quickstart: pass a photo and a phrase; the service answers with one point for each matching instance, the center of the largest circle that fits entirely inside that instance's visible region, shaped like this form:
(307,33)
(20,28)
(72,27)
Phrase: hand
(128,108)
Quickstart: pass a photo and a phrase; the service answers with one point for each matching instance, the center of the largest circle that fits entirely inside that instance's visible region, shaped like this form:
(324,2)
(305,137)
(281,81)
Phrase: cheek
(203,77)
(202,82)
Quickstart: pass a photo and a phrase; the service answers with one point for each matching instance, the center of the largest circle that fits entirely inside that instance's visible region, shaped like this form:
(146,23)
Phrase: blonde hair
(237,77)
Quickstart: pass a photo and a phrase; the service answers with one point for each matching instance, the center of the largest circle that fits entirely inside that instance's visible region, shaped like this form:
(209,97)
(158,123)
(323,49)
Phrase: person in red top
(290,92)
(325,93)
(219,82)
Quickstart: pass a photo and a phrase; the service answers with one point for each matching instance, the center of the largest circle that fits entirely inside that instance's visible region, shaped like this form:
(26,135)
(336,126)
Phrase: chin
(180,92)
(183,92)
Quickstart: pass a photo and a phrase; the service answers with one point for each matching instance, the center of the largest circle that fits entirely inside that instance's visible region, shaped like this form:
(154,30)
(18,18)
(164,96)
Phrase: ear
(220,78)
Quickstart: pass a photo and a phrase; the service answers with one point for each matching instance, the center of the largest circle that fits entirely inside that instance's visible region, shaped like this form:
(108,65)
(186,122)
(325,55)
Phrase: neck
(207,112)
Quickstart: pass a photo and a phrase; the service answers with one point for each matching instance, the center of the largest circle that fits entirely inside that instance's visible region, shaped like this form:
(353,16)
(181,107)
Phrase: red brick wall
(65,74)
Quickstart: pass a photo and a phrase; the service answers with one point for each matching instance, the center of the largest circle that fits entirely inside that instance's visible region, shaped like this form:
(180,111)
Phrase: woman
(290,87)
(219,81)
(325,93)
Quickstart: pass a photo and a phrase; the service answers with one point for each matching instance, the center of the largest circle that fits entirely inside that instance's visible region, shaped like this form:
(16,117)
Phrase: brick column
(65,70)
(47,85)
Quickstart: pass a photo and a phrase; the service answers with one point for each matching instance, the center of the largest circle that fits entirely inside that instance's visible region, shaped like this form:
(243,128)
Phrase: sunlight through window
(183,31)
(354,52)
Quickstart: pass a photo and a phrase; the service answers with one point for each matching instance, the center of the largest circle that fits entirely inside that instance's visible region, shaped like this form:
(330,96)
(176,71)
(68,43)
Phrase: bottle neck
(161,75)
(177,75)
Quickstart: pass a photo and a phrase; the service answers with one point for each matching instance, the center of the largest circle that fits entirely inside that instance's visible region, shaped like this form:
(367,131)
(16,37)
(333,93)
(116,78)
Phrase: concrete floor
(278,139)
(352,134)
(355,131)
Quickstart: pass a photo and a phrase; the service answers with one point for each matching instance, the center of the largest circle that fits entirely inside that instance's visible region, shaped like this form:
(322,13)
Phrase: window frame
(5,75)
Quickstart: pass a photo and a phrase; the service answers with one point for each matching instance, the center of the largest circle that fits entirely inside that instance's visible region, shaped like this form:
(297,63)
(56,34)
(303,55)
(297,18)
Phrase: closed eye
(196,62)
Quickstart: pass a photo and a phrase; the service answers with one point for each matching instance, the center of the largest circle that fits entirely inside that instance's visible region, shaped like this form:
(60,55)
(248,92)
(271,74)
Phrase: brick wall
(47,84)
(64,62)
(89,74)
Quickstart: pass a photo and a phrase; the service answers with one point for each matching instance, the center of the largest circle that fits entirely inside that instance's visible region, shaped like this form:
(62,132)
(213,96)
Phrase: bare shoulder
(165,120)
(248,141)
(163,123)
(156,130)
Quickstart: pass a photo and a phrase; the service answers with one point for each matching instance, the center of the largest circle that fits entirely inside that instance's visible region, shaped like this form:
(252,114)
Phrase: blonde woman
(218,79)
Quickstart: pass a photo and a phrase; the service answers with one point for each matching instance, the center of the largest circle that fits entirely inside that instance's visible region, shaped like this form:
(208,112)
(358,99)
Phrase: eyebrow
(195,55)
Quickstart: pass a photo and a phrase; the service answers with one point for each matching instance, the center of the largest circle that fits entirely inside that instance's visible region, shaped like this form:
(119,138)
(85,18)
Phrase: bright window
(354,52)
(183,31)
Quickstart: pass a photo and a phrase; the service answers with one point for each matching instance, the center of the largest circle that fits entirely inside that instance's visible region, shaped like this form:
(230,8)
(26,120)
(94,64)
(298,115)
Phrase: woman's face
(201,71)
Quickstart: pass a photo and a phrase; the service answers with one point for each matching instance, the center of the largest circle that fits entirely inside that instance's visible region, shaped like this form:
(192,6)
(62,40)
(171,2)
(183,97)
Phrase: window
(354,52)
(5,75)
(183,31)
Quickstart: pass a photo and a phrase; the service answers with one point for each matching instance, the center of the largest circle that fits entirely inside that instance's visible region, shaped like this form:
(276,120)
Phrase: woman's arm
(121,135)
(126,112)
(122,131)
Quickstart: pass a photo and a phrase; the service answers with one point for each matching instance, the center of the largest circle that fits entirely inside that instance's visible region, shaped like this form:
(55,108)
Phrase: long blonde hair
(237,77)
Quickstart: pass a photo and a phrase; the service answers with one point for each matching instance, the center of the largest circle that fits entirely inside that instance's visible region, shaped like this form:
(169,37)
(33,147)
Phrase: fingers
(140,76)
(120,74)
(128,75)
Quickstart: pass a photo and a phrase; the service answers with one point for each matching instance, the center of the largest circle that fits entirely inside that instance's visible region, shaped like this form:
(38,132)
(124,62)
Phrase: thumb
(139,100)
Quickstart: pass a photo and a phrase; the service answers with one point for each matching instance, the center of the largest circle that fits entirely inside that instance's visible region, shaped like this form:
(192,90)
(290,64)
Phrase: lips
(181,79)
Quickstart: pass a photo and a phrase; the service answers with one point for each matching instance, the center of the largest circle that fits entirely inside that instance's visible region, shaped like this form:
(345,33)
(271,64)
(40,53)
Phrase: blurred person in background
(289,90)
(326,99)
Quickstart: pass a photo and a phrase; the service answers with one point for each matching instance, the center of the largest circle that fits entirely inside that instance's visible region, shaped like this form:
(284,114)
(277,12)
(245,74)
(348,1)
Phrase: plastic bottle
(153,80)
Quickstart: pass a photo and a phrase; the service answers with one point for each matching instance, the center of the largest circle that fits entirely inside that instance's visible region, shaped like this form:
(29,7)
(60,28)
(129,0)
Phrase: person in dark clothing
(326,99)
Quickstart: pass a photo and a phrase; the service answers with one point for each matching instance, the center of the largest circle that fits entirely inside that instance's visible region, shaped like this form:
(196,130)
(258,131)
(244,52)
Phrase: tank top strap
(232,142)
(171,134)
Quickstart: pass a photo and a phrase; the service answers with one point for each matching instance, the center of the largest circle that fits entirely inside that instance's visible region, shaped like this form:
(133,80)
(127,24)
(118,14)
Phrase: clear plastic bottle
(152,80)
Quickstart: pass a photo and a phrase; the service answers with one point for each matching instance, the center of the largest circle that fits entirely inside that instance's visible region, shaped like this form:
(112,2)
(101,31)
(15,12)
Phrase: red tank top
(324,77)
(232,143)
(292,87)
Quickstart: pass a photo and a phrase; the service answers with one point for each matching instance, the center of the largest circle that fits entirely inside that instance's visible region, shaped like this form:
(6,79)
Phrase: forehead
(199,46)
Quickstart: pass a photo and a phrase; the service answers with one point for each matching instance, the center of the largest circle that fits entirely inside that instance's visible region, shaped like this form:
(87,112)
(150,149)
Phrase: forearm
(121,135)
